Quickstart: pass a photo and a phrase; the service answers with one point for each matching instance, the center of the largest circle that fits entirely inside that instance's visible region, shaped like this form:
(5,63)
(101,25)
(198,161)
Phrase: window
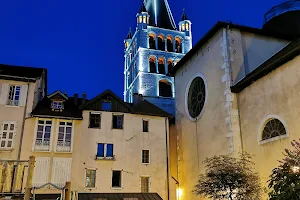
(105,150)
(57,105)
(42,142)
(90,178)
(7,135)
(165,89)
(161,43)
(161,66)
(182,27)
(140,19)
(152,44)
(169,44)
(152,64)
(145,156)
(144,19)
(273,128)
(64,137)
(145,126)
(14,95)
(196,97)
(170,66)
(117,121)
(145,184)
(178,45)
(95,120)
(116,179)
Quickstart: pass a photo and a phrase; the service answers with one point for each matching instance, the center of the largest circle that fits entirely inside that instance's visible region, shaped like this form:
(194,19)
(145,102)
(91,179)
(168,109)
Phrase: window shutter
(110,150)
(23,95)
(100,151)
(4,93)
(61,171)
(41,171)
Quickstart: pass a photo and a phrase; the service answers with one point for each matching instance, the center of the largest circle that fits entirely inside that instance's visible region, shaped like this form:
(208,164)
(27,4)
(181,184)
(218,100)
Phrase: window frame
(95,113)
(5,148)
(105,152)
(116,187)
(117,115)
(145,120)
(44,127)
(64,138)
(261,127)
(57,103)
(95,178)
(9,101)
(149,182)
(142,157)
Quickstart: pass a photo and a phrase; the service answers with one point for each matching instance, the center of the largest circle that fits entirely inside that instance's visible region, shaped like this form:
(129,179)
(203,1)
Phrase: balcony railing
(42,145)
(63,146)
(282,8)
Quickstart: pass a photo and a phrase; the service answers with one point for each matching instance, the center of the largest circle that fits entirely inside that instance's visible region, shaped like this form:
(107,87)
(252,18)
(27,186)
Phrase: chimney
(75,99)
(83,98)
(137,98)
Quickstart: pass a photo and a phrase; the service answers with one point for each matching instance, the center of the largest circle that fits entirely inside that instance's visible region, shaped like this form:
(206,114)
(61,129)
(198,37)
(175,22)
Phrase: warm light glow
(182,27)
(187,26)
(144,18)
(179,193)
(295,169)
(140,19)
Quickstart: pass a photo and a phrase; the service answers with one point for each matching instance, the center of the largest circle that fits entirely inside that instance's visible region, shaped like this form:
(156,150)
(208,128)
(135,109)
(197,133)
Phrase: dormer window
(57,105)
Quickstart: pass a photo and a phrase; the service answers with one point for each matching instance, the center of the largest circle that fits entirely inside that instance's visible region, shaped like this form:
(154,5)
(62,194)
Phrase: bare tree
(229,178)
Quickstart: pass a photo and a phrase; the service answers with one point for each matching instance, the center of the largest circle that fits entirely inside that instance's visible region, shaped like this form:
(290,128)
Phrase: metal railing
(282,8)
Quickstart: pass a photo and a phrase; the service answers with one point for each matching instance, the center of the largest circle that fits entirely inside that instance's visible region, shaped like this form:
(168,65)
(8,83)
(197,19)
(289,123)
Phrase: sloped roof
(219,25)
(160,14)
(20,72)
(286,54)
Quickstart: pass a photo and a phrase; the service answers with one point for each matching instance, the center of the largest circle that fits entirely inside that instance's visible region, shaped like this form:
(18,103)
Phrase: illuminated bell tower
(152,51)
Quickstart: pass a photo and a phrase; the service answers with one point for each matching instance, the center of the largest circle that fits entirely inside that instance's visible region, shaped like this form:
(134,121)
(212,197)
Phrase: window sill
(116,188)
(90,188)
(273,139)
(145,163)
(9,106)
(94,127)
(105,158)
(117,128)
(6,149)
(38,151)
(66,152)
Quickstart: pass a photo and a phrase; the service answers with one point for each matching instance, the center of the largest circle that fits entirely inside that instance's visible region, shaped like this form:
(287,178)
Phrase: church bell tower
(152,51)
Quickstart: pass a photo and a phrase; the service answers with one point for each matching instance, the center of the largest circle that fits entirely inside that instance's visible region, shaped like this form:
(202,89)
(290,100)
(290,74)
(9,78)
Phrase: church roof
(129,35)
(160,14)
(183,16)
(219,25)
(283,56)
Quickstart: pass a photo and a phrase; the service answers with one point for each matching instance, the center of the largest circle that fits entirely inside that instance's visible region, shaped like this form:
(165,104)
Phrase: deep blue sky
(81,42)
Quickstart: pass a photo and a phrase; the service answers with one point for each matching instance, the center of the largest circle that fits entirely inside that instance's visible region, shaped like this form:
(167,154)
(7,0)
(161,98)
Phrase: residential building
(21,88)
(102,145)
(152,51)
(237,90)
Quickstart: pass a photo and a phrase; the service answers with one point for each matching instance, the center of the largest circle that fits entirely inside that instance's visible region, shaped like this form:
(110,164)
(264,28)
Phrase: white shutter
(41,171)
(23,95)
(4,93)
(61,171)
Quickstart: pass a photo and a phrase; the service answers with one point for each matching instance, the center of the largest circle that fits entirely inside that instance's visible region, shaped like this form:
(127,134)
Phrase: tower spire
(183,16)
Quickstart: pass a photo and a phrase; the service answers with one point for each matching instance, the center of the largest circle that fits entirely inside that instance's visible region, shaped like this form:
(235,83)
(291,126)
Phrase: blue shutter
(110,150)
(100,152)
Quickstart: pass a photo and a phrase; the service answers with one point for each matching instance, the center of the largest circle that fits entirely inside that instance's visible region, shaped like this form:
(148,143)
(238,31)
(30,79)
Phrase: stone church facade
(236,90)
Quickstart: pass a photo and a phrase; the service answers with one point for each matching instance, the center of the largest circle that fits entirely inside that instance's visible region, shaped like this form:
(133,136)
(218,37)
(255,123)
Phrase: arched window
(170,65)
(152,41)
(178,45)
(161,66)
(144,19)
(182,27)
(152,64)
(161,43)
(187,27)
(169,44)
(165,89)
(273,128)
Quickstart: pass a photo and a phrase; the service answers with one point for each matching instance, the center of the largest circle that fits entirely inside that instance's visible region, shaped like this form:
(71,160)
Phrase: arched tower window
(161,66)
(161,43)
(170,65)
(152,41)
(273,128)
(187,27)
(169,44)
(152,64)
(182,27)
(165,89)
(178,45)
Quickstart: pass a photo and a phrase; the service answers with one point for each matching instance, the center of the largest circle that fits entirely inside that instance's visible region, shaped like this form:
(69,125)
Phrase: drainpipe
(23,124)
(167,158)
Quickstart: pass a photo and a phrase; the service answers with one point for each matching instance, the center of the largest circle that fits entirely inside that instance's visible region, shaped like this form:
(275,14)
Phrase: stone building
(151,52)
(237,90)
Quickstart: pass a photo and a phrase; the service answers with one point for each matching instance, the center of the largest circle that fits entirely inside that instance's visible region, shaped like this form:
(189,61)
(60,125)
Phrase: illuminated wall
(138,76)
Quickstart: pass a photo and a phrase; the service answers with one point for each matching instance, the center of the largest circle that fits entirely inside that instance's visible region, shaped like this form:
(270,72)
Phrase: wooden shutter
(23,95)
(4,93)
(61,171)
(41,171)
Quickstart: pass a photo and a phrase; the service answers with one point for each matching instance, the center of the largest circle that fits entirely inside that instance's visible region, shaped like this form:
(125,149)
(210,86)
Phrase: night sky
(81,42)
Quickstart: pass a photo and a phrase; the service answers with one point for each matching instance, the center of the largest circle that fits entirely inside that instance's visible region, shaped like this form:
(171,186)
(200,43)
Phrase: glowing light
(179,193)
(295,169)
